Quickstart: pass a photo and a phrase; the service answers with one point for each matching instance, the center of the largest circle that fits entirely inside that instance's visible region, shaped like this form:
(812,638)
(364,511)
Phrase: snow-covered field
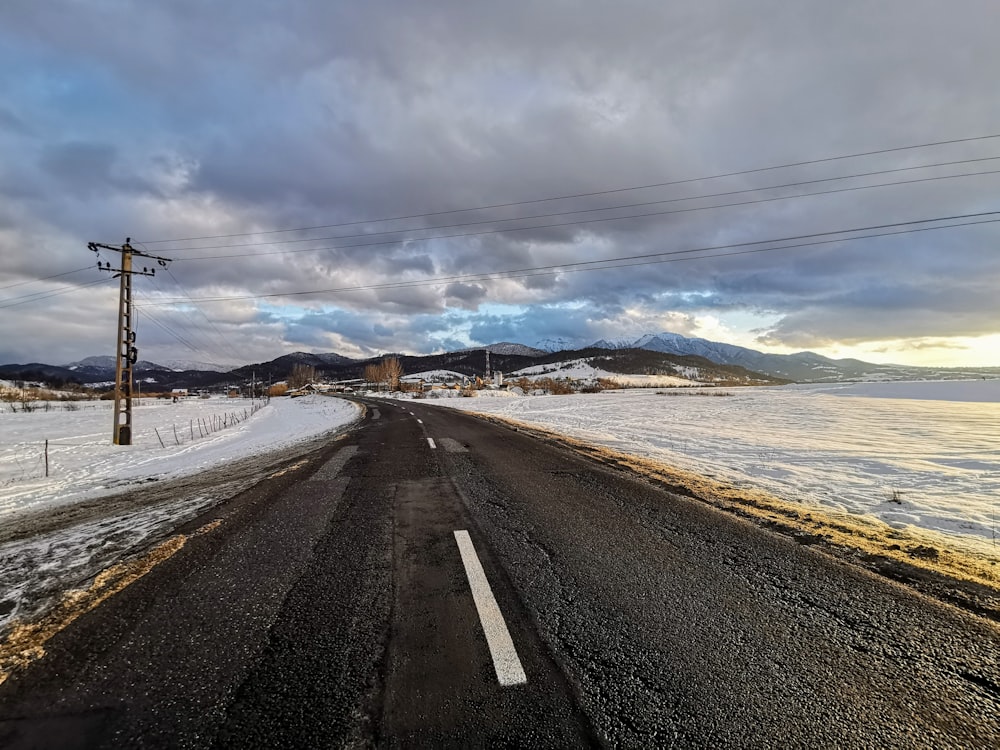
(581,369)
(850,448)
(196,433)
(58,532)
(435,376)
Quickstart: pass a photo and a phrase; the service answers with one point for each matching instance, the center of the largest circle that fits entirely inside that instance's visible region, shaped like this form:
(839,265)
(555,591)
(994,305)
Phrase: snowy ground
(435,376)
(581,369)
(57,532)
(196,433)
(849,448)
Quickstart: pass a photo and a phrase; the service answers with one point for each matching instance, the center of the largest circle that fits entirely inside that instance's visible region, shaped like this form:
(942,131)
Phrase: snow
(969,391)
(435,376)
(37,567)
(846,448)
(83,463)
(581,369)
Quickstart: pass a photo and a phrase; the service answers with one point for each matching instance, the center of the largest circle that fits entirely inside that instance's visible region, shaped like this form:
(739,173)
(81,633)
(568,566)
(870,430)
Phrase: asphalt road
(332,605)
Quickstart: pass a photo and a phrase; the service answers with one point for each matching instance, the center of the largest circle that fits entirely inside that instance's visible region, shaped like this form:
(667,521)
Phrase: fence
(206,427)
(25,461)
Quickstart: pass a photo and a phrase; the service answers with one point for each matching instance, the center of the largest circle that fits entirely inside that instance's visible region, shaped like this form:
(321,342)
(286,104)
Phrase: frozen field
(923,454)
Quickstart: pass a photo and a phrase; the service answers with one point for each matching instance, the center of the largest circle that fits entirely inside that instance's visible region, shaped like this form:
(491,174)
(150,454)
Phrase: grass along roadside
(927,561)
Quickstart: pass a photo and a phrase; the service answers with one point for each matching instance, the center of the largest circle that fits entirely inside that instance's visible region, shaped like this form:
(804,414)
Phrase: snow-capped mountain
(675,343)
(617,343)
(185,365)
(101,364)
(509,348)
(559,344)
(801,366)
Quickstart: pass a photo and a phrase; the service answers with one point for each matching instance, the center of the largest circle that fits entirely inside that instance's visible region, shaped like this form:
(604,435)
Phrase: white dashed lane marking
(430,441)
(505,659)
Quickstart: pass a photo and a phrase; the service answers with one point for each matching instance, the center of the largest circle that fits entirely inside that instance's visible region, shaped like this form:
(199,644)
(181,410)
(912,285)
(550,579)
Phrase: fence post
(159,438)
(46,458)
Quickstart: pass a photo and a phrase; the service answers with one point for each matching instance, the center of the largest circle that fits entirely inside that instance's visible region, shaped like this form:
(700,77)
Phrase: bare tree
(385,373)
(373,374)
(392,371)
(301,375)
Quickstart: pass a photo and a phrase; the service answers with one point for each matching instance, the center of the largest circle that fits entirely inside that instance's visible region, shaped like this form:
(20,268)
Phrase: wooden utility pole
(126,352)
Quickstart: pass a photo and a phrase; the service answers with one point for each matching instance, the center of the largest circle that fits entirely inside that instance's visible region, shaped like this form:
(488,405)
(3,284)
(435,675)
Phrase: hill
(665,354)
(801,367)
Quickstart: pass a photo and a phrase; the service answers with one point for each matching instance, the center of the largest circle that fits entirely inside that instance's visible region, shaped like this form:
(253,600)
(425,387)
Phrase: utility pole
(126,353)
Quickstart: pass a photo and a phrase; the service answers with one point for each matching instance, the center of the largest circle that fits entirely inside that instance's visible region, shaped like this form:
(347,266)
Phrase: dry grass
(26,642)
(913,556)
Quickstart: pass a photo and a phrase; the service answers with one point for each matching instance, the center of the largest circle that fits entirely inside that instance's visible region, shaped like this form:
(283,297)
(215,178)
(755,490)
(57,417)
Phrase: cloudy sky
(270,148)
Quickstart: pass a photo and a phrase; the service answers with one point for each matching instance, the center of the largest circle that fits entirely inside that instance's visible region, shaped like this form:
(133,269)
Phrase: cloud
(256,117)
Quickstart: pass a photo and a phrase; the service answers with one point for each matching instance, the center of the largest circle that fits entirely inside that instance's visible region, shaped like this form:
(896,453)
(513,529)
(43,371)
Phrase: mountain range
(657,353)
(801,367)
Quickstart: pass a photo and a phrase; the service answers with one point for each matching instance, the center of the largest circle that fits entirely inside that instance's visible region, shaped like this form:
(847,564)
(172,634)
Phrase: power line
(163,326)
(627,217)
(194,338)
(603,263)
(800,183)
(45,278)
(223,342)
(588,194)
(222,339)
(36,296)
(758,250)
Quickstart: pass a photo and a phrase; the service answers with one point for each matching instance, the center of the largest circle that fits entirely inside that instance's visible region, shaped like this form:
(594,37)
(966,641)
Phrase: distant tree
(392,371)
(302,374)
(373,374)
(386,373)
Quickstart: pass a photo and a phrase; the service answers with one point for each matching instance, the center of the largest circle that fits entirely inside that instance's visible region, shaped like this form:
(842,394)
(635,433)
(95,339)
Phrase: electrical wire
(589,194)
(646,214)
(201,343)
(224,341)
(15,301)
(644,259)
(167,329)
(45,278)
(800,183)
(221,342)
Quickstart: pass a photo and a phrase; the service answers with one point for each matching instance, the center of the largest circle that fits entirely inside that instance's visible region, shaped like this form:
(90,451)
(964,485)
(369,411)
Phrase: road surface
(431,579)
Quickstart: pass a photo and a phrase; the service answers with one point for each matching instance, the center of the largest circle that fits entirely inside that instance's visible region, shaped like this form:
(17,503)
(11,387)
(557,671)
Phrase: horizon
(616,345)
